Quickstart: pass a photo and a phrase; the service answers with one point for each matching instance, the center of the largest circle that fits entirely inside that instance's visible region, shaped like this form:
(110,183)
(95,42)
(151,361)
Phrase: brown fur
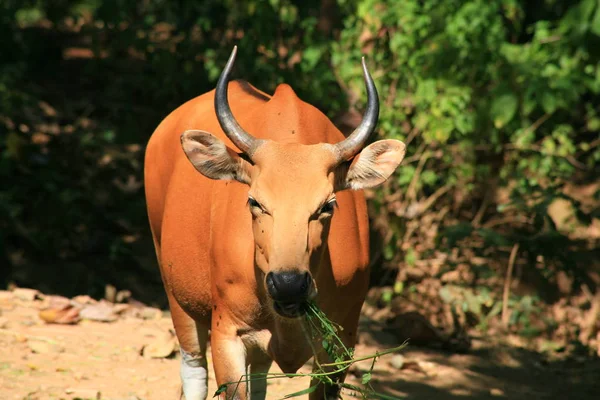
(214,252)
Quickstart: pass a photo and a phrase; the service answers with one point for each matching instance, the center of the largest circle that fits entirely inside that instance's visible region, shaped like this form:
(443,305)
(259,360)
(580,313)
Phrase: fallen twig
(487,197)
(411,191)
(507,282)
(430,201)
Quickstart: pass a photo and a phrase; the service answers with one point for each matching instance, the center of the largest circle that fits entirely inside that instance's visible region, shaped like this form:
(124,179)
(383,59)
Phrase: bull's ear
(372,166)
(213,159)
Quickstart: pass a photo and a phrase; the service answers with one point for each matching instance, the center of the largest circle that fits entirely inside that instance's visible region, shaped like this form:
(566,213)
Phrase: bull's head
(292,189)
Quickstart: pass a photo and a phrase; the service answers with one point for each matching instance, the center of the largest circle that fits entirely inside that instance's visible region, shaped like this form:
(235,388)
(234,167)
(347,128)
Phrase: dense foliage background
(496,204)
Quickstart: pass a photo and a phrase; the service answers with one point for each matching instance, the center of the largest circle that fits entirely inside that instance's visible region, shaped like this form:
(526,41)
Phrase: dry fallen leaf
(397,361)
(102,311)
(47,109)
(66,315)
(84,299)
(43,347)
(56,301)
(150,313)
(161,347)
(59,310)
(121,308)
(26,294)
(40,138)
(134,309)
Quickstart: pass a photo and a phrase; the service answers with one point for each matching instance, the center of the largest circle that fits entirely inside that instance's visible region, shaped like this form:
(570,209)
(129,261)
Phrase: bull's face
(291,195)
(292,200)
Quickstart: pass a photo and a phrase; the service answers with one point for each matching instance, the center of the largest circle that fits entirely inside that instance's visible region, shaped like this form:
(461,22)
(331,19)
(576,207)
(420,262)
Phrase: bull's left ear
(372,166)
(213,159)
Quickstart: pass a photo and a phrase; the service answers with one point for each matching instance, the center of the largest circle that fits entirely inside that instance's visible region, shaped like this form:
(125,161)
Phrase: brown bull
(263,227)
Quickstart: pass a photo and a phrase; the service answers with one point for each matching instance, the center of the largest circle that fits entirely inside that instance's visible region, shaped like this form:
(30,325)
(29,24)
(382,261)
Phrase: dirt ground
(103,360)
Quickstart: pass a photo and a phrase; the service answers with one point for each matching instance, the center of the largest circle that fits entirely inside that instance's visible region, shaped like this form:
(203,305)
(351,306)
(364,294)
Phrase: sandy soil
(103,360)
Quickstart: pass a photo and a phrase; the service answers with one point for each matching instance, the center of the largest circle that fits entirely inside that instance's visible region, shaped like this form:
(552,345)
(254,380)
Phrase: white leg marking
(194,376)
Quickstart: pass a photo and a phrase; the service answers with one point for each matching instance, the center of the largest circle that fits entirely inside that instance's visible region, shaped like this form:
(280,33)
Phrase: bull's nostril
(288,286)
(270,278)
(307,281)
(271,284)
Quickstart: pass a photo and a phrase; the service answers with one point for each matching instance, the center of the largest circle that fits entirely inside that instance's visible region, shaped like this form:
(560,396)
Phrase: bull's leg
(260,363)
(229,359)
(193,337)
(327,391)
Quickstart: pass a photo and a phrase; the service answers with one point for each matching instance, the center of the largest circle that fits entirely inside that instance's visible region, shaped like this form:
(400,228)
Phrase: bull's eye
(255,204)
(328,207)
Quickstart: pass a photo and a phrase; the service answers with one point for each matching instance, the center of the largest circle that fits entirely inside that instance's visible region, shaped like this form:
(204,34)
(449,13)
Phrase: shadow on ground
(492,371)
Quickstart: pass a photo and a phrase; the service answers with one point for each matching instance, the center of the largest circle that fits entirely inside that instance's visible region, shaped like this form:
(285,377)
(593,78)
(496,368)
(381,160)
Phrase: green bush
(493,97)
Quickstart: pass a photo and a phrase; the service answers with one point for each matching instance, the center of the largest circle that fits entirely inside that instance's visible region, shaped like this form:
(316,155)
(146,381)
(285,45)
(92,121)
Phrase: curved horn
(242,139)
(350,146)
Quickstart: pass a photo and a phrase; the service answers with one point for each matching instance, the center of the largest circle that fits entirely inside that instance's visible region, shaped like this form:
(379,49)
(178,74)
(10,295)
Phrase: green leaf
(29,16)
(446,294)
(503,109)
(222,389)
(595,25)
(593,124)
(302,392)
(405,175)
(411,257)
(311,57)
(398,287)
(366,378)
(549,145)
(384,396)
(440,130)
(549,102)
(429,177)
(386,296)
(497,307)
(14,142)
(493,238)
(389,251)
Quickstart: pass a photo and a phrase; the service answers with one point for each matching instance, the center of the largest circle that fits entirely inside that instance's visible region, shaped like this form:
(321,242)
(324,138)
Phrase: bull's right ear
(213,159)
